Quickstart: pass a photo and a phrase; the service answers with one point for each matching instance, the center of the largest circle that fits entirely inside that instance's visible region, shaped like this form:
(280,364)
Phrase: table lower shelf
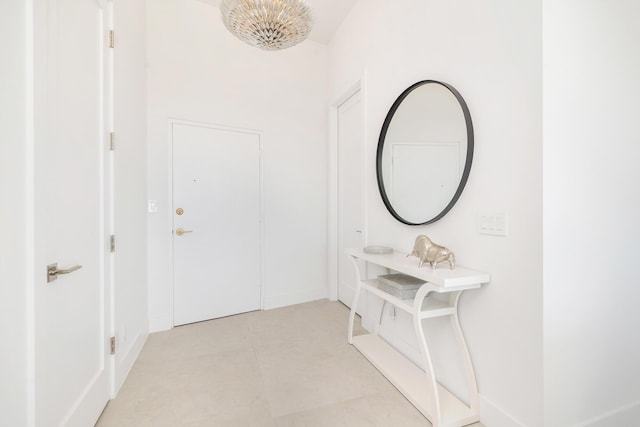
(430,307)
(412,382)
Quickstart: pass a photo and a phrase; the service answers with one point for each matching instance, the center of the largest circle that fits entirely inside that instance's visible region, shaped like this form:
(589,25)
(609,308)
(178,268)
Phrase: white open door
(216,219)
(350,192)
(70,318)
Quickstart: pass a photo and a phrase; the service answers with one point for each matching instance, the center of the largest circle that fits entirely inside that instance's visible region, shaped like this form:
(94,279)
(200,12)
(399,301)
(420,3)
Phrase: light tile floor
(288,367)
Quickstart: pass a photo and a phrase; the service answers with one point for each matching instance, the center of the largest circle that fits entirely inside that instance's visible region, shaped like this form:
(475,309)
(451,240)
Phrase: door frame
(109,188)
(184,122)
(334,184)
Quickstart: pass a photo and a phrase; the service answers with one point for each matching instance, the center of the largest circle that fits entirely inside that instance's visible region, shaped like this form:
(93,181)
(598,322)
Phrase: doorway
(217,231)
(350,191)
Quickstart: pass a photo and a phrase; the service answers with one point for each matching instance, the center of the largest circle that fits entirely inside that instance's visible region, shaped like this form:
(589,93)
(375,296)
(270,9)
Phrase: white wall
(131,324)
(491,52)
(14,260)
(197,71)
(591,205)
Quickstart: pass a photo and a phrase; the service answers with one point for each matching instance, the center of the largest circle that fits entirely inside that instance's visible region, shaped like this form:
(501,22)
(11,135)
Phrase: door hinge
(111,39)
(112,141)
(113,345)
(112,243)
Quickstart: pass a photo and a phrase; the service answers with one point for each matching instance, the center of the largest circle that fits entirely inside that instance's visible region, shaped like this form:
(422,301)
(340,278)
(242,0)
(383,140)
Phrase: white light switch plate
(152,206)
(492,223)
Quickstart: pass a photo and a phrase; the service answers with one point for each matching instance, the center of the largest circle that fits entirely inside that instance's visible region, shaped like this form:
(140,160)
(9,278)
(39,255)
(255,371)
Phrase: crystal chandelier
(267,24)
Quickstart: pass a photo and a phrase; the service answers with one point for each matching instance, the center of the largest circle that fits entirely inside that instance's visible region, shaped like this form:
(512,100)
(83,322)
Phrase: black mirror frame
(468,161)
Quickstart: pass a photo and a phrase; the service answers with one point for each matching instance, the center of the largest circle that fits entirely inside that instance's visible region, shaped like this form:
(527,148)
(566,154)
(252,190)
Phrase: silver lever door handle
(52,271)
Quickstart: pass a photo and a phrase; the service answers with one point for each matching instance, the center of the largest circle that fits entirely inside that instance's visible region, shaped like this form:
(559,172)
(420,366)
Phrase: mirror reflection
(424,152)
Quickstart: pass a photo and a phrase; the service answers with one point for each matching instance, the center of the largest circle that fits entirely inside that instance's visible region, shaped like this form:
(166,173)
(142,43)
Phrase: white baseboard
(625,416)
(491,415)
(164,322)
(160,323)
(125,360)
(283,300)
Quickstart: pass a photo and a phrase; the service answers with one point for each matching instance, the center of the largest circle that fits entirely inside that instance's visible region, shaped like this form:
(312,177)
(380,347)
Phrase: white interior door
(350,192)
(71,360)
(216,223)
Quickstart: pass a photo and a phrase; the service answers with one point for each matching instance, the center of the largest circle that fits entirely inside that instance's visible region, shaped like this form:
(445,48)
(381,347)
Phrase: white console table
(419,386)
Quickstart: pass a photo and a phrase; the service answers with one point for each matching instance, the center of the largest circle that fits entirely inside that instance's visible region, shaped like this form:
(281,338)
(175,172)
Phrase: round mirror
(424,152)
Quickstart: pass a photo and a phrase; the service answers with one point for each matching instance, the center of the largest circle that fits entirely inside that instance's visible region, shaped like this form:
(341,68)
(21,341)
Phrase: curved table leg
(356,298)
(424,350)
(466,357)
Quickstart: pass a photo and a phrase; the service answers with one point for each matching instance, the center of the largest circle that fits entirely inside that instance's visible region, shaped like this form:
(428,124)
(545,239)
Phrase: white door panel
(216,185)
(71,354)
(350,192)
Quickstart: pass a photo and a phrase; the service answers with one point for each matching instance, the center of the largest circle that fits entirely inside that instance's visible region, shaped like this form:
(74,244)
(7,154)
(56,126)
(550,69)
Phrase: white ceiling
(328,15)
